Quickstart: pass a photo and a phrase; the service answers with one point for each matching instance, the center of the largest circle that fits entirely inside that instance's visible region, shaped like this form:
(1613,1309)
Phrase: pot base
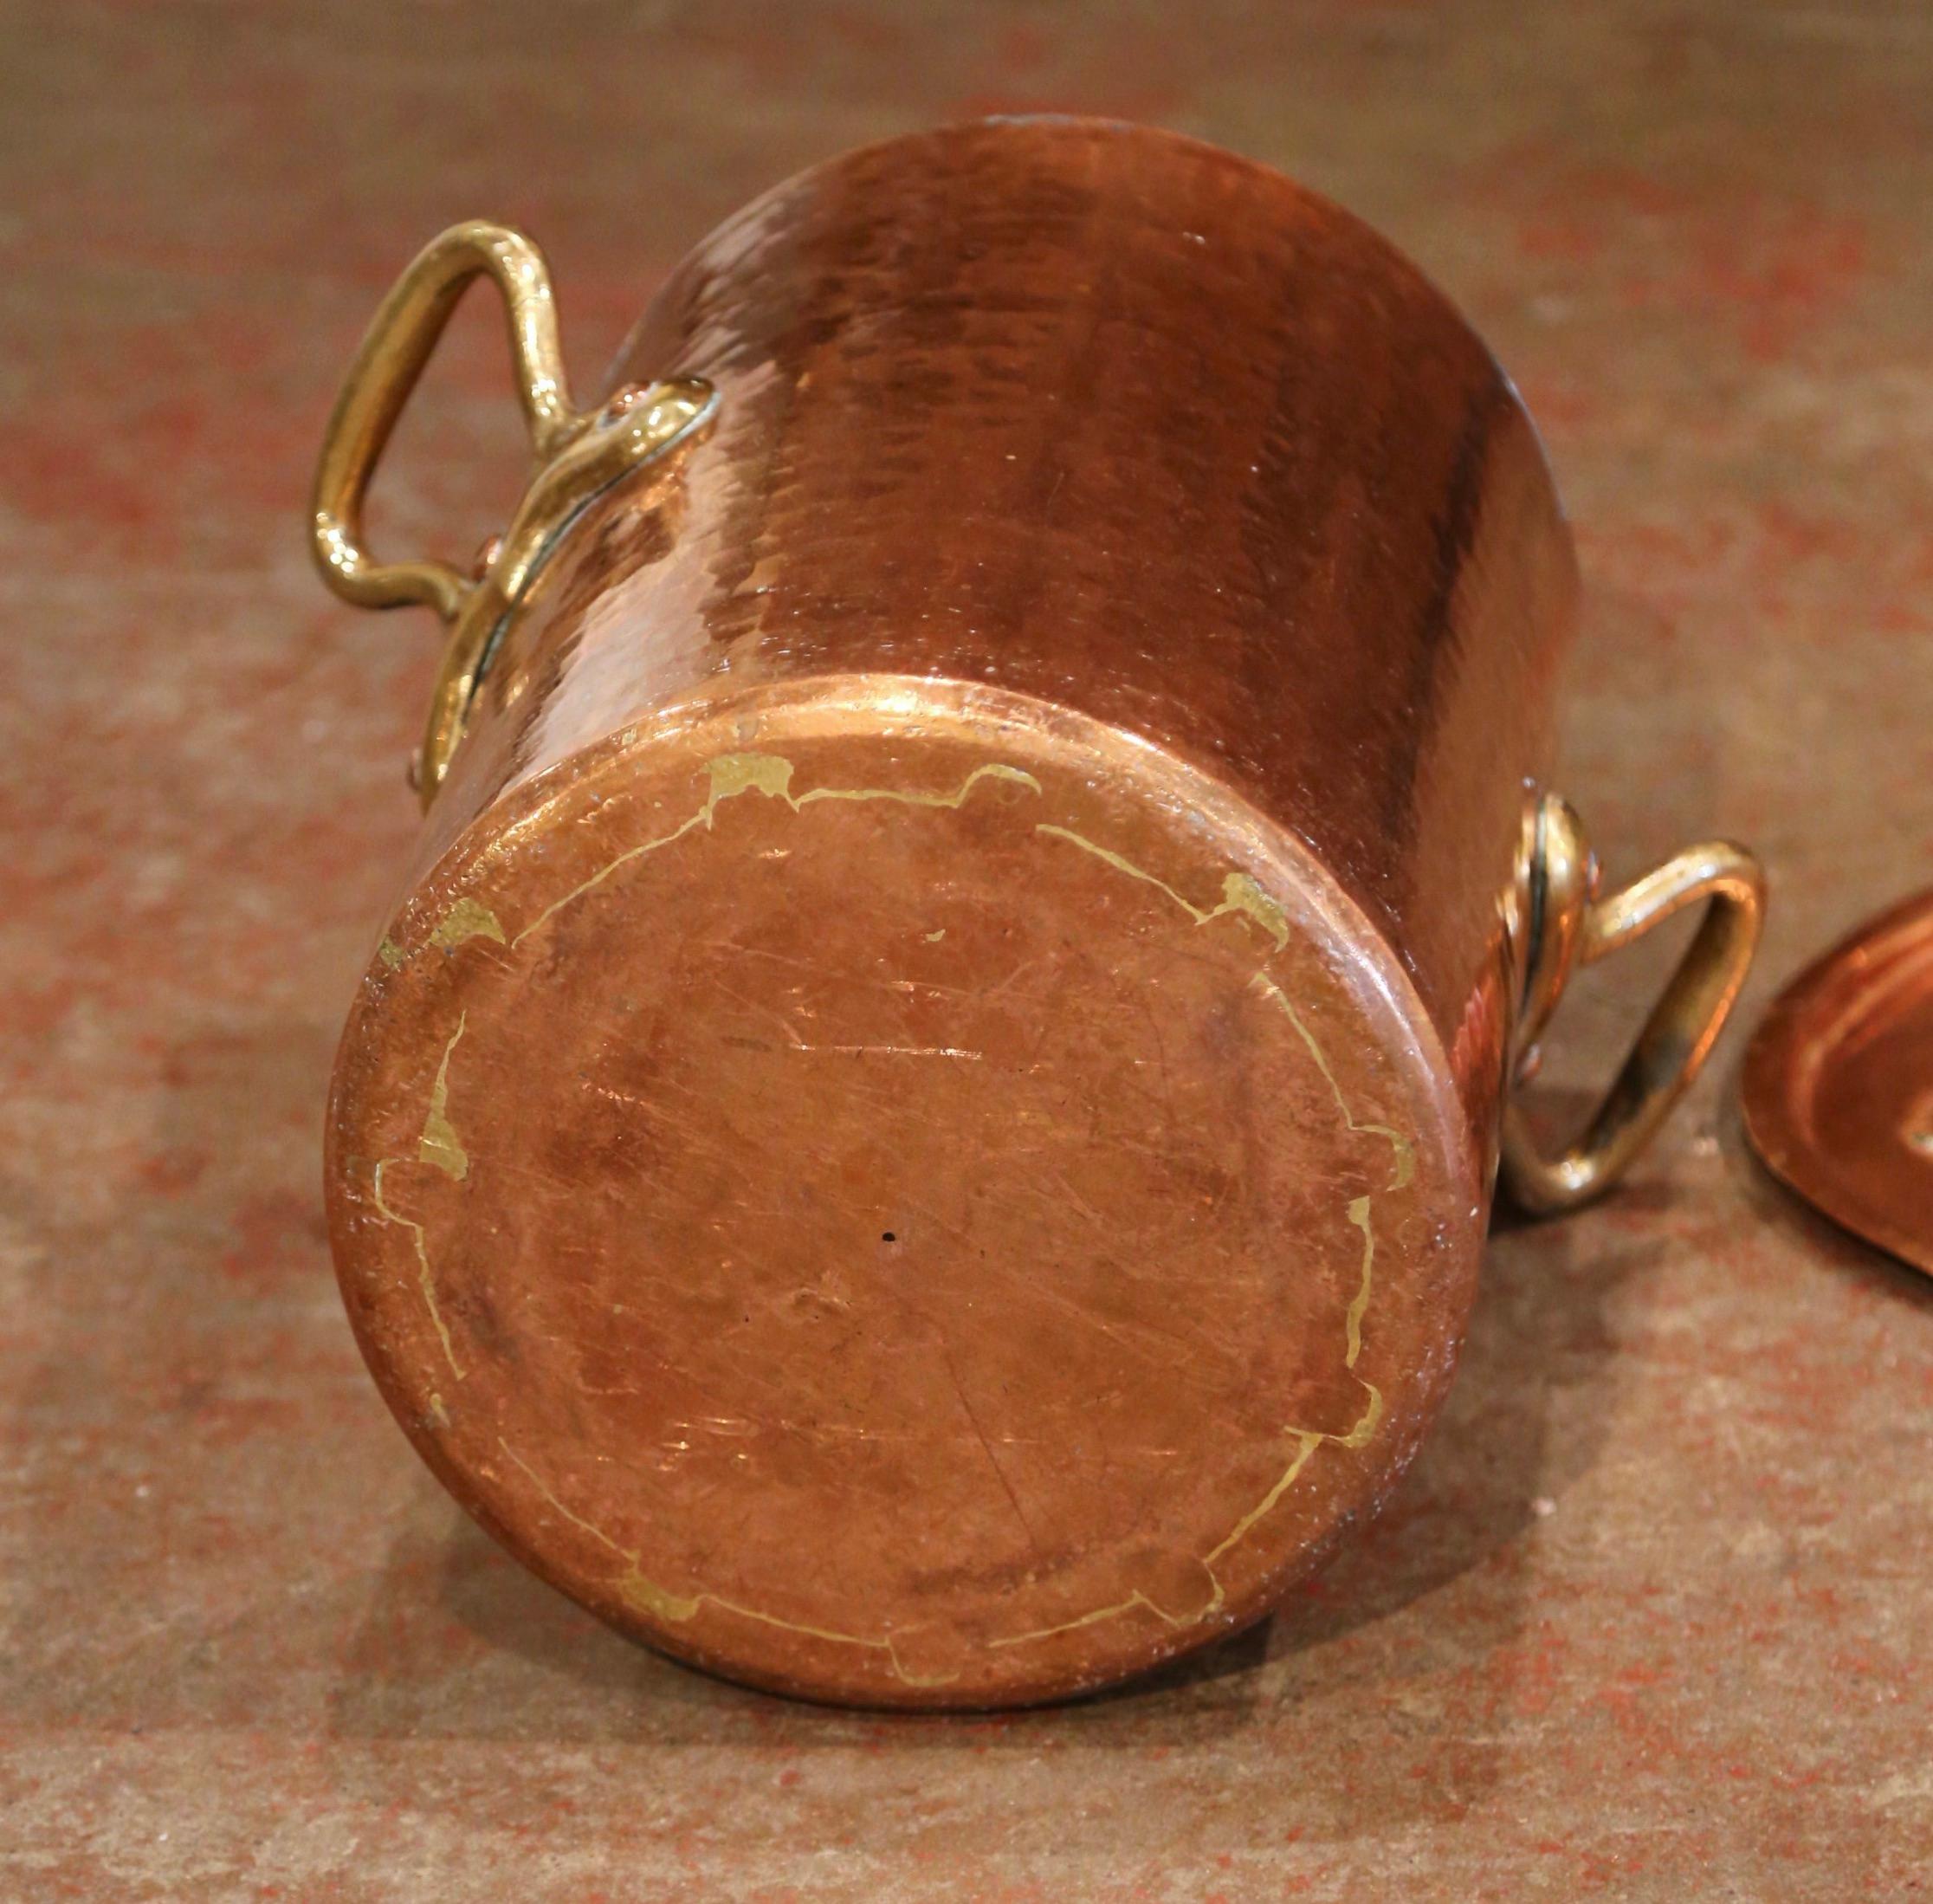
(896,1193)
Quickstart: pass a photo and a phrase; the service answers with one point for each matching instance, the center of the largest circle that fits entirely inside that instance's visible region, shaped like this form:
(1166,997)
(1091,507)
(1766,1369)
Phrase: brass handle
(1570,926)
(397,346)
(577,454)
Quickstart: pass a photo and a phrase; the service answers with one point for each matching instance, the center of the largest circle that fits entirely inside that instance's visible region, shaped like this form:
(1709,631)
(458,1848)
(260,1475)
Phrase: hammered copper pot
(921,1130)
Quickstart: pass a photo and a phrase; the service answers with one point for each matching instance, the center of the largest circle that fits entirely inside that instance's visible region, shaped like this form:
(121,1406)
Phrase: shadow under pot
(921,1131)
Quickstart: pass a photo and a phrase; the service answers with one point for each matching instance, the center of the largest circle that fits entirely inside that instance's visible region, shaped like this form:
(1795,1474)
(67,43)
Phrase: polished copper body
(922,1130)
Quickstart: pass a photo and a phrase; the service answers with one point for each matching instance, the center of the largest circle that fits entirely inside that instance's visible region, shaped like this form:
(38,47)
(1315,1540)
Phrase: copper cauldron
(922,1129)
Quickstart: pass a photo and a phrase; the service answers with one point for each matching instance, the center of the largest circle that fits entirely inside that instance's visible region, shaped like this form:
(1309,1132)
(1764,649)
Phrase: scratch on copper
(645,1593)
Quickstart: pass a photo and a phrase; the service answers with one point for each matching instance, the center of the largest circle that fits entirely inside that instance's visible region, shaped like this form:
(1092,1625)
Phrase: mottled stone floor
(1650,1616)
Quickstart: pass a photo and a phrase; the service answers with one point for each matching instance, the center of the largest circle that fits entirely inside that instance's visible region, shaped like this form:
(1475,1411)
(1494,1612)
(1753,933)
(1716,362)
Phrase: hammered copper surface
(1646,1619)
(928,1143)
(1839,1083)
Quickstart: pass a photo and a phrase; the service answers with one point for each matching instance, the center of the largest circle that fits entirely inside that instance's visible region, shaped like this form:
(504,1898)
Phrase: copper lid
(1838,1084)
